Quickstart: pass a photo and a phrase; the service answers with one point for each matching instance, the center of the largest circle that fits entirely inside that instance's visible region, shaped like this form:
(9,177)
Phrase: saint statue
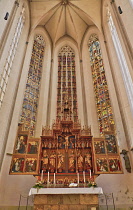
(88,164)
(44,163)
(80,161)
(72,167)
(60,162)
(52,162)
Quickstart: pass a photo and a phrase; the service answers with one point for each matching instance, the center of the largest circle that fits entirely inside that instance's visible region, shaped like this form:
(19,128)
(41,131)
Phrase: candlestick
(90,173)
(42,175)
(78,178)
(54,178)
(84,176)
(48,177)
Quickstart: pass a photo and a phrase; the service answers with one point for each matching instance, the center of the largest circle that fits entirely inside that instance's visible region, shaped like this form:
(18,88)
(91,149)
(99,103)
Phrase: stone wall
(65,202)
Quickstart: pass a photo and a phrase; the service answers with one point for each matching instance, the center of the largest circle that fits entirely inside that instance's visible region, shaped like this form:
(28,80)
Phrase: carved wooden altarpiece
(66,151)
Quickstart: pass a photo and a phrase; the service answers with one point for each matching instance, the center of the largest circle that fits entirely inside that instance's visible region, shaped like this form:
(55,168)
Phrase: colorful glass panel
(103,103)
(31,95)
(66,92)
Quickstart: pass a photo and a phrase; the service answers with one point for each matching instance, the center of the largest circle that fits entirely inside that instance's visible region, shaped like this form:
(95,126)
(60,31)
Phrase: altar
(66,160)
(66,198)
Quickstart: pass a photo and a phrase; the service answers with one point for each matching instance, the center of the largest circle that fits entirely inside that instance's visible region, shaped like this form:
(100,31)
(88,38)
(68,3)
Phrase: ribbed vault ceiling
(65,17)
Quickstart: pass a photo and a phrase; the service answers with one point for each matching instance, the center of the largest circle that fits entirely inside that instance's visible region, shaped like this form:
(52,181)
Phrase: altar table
(66,198)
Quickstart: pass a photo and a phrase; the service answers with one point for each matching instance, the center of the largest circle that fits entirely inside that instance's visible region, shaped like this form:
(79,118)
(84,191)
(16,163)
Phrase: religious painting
(80,161)
(21,144)
(52,161)
(61,161)
(44,161)
(61,142)
(111,143)
(99,147)
(33,147)
(71,142)
(17,165)
(88,160)
(114,164)
(31,165)
(102,165)
(71,162)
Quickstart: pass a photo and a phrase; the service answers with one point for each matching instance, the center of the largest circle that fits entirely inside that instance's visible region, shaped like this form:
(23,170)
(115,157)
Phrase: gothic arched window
(67,93)
(31,95)
(4,77)
(103,103)
(125,71)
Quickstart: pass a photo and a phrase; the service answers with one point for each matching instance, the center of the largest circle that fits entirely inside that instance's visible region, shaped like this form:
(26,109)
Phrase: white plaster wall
(126,17)
(24,183)
(13,186)
(5,6)
(13,81)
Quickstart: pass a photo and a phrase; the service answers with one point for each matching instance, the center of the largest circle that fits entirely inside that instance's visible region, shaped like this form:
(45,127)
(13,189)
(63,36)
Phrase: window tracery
(66,90)
(31,95)
(103,103)
(11,54)
(121,59)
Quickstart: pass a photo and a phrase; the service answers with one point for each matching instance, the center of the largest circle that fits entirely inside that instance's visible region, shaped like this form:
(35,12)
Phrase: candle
(42,176)
(78,178)
(48,177)
(54,178)
(84,176)
(90,173)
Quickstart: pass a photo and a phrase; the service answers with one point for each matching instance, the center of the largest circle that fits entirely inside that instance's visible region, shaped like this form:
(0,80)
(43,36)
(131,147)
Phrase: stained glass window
(10,57)
(103,103)
(31,95)
(67,93)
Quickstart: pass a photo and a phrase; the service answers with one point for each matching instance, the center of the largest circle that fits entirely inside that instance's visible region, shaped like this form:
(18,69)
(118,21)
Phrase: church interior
(66,104)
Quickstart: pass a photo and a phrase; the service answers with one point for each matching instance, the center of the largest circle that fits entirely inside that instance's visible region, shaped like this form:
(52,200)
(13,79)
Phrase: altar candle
(42,176)
(48,177)
(78,177)
(90,173)
(54,178)
(84,176)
